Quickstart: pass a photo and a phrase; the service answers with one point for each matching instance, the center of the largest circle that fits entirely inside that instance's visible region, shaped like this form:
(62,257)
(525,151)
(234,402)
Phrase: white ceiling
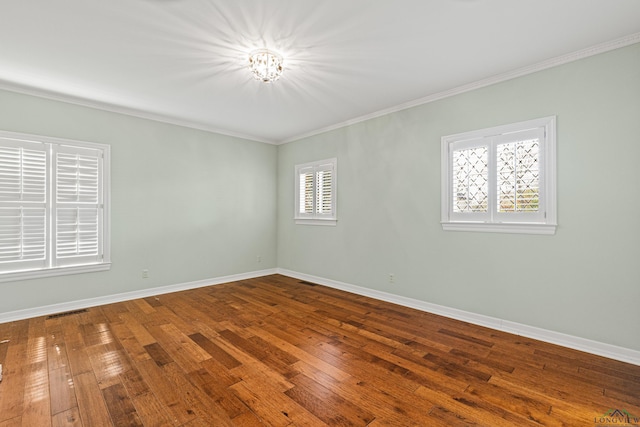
(185,61)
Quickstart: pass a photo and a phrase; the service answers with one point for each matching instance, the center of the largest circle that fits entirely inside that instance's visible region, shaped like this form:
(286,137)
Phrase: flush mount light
(266,65)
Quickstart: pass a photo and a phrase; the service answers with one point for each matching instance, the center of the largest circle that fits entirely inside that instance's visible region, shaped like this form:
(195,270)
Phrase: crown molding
(113,108)
(550,63)
(498,78)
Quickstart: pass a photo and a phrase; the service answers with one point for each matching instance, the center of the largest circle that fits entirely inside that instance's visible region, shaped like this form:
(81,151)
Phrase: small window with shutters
(53,206)
(501,179)
(315,192)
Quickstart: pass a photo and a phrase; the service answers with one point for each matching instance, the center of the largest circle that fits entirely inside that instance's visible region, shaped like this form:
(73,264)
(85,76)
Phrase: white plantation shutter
(53,212)
(77,234)
(78,205)
(305,192)
(316,190)
(23,169)
(23,177)
(324,190)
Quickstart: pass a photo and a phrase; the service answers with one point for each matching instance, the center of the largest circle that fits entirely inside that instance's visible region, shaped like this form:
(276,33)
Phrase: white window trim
(545,224)
(55,271)
(314,218)
(105,263)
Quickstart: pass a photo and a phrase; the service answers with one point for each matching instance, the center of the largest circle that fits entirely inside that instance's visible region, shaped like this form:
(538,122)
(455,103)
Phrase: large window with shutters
(315,192)
(501,179)
(54,211)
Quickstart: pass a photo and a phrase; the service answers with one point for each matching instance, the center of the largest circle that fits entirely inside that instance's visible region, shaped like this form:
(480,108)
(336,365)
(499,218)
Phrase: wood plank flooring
(275,351)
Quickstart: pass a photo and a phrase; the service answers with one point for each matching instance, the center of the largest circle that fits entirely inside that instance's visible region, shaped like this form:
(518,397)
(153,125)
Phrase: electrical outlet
(145,274)
(392,278)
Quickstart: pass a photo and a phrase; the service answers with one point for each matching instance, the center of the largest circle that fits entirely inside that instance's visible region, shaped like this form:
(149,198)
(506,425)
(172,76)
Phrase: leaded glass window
(501,179)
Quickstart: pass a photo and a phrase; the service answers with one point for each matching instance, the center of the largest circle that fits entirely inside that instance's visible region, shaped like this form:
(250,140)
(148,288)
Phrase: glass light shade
(265,65)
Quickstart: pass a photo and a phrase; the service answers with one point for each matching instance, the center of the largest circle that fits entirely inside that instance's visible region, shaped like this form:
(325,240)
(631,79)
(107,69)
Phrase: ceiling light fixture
(266,65)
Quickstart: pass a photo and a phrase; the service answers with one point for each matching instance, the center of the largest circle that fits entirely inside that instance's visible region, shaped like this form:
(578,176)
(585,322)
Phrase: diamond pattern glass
(518,176)
(471,180)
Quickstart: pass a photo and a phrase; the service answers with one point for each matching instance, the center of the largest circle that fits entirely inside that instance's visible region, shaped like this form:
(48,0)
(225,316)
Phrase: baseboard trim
(126,296)
(594,347)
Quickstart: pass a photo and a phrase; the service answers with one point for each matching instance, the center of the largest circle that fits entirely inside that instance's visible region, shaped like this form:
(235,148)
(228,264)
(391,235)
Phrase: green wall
(187,205)
(583,281)
(190,205)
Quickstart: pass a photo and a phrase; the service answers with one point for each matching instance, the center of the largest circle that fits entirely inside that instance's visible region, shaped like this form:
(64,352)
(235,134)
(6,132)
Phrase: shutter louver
(23,177)
(77,232)
(78,209)
(22,234)
(324,193)
(77,178)
(306,192)
(22,174)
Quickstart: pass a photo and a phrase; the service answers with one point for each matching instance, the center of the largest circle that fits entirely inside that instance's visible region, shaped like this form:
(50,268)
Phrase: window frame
(316,218)
(544,221)
(53,266)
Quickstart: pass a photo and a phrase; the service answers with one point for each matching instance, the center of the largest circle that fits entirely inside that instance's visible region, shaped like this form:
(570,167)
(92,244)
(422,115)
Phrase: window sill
(304,221)
(503,227)
(50,272)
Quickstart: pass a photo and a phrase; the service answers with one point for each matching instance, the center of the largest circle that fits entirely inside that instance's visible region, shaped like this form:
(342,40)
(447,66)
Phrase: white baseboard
(576,343)
(126,296)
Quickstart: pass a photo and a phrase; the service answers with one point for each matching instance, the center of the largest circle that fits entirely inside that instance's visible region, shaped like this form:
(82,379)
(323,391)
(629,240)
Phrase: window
(316,192)
(501,179)
(54,215)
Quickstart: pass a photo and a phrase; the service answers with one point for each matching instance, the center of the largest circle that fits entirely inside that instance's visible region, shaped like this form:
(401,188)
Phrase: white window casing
(501,179)
(315,192)
(54,206)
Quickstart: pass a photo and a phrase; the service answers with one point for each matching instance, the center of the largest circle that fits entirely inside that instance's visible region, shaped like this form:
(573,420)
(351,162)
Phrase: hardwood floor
(279,352)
